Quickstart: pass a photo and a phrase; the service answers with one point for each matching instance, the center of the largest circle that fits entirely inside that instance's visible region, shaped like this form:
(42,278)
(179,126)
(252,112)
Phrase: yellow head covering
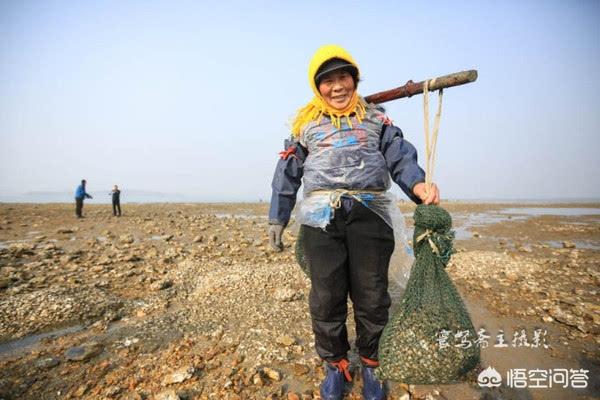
(317,107)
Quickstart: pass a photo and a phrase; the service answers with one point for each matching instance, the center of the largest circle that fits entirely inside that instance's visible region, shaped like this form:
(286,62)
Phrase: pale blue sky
(194,98)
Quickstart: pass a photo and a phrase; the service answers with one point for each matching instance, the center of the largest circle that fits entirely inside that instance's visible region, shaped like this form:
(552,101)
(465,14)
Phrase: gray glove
(275,232)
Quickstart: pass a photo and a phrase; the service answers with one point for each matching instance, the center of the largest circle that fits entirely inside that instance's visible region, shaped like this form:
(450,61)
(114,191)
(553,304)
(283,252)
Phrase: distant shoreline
(490,202)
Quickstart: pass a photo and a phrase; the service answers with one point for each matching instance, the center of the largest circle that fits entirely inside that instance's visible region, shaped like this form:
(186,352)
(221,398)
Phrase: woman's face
(337,88)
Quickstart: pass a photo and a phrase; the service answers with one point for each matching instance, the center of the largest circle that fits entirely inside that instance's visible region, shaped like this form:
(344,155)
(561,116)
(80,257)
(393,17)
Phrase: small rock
(168,395)
(163,284)
(286,294)
(486,285)
(5,282)
(433,396)
(83,352)
(113,391)
(272,374)
(179,376)
(300,369)
(198,239)
(47,363)
(568,245)
(64,230)
(126,239)
(285,340)
(81,391)
(403,394)
(257,380)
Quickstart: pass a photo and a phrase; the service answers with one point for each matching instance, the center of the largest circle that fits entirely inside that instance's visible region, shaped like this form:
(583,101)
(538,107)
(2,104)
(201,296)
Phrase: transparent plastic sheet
(346,157)
(316,210)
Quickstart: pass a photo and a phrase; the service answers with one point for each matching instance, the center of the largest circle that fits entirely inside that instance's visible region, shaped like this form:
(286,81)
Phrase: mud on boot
(373,388)
(336,376)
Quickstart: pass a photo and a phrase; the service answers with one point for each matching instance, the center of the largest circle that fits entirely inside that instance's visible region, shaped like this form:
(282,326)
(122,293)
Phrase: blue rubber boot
(373,388)
(332,387)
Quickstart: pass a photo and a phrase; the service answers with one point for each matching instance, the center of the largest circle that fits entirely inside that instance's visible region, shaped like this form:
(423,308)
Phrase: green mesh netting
(410,350)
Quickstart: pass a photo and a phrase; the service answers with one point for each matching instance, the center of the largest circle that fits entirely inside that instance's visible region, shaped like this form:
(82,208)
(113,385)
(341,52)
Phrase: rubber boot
(336,375)
(373,388)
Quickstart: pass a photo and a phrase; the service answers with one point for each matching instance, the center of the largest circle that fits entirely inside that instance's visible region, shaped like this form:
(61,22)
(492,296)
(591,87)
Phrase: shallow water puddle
(580,244)
(557,211)
(31,340)
(462,224)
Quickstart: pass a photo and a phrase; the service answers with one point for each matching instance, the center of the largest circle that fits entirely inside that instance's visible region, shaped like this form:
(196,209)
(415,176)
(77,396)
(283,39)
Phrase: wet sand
(188,300)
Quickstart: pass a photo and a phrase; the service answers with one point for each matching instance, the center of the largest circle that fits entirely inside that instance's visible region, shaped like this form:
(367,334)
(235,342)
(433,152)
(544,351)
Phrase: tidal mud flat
(187,301)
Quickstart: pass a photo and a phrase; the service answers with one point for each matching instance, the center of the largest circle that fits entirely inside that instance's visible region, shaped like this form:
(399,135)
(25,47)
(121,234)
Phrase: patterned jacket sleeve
(401,158)
(286,182)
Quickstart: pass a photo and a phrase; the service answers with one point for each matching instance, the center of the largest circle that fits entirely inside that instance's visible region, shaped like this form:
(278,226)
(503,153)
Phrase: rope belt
(335,196)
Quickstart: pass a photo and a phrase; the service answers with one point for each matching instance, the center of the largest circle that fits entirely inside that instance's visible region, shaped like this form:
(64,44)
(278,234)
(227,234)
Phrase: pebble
(300,369)
(285,340)
(167,395)
(178,376)
(286,294)
(47,362)
(272,374)
(83,352)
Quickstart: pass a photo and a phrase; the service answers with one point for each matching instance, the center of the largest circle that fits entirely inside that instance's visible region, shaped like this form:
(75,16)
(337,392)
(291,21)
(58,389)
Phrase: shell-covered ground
(187,301)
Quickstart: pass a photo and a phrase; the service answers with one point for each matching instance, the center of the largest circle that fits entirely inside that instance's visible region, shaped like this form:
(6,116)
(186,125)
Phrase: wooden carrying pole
(412,88)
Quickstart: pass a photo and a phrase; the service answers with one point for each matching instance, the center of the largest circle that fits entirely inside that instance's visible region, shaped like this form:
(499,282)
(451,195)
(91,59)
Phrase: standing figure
(346,152)
(80,194)
(116,201)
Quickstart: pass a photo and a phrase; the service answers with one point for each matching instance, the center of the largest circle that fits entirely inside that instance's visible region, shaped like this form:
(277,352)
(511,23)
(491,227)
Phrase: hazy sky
(195,98)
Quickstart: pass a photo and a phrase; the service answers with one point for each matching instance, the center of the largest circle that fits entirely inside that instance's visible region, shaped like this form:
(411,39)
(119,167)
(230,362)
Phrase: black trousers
(350,258)
(116,207)
(78,206)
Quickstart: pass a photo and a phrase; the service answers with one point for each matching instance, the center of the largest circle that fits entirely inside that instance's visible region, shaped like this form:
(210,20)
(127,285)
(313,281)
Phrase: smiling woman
(336,80)
(337,88)
(346,152)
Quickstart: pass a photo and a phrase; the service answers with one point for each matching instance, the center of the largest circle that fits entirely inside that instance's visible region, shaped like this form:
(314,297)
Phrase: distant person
(80,194)
(116,201)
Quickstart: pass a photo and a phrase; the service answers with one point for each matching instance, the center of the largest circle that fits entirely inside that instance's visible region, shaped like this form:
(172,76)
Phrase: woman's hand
(431,196)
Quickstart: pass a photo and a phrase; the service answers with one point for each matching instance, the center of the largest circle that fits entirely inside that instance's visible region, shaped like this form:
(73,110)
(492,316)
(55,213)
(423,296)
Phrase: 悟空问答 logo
(489,377)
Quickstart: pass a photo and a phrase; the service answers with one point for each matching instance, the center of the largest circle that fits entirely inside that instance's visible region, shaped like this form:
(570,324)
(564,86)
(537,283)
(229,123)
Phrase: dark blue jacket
(400,156)
(116,196)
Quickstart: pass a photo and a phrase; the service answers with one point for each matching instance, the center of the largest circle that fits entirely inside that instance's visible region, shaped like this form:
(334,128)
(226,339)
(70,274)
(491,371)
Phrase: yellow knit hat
(317,107)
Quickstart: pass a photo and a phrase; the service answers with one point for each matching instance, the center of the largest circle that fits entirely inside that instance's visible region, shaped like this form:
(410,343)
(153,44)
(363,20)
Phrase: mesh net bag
(411,349)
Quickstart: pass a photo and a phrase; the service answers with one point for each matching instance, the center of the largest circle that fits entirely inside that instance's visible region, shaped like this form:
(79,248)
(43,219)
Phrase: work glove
(275,232)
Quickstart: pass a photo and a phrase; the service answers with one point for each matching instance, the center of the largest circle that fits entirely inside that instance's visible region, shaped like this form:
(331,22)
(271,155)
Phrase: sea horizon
(141,197)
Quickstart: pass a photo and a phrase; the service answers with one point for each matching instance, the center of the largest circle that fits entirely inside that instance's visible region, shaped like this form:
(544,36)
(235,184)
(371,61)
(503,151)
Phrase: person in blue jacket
(345,152)
(80,194)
